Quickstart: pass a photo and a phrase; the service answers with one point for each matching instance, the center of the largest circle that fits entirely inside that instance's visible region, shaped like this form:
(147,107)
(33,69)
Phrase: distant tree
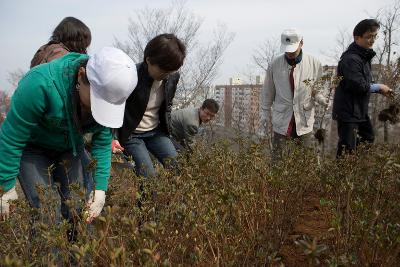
(14,77)
(4,105)
(386,60)
(265,53)
(263,56)
(203,60)
(343,39)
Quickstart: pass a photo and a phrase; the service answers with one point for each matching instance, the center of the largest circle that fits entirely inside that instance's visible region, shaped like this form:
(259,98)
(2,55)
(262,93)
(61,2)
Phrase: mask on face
(294,61)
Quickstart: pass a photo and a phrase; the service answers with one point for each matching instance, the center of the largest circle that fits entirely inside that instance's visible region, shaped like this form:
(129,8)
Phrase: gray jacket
(185,125)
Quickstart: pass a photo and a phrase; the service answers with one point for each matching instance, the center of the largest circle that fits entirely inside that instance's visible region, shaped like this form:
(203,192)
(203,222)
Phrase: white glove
(322,100)
(4,202)
(309,105)
(95,204)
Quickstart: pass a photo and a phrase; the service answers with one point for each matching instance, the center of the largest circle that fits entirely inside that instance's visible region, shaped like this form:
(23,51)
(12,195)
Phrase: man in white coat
(284,90)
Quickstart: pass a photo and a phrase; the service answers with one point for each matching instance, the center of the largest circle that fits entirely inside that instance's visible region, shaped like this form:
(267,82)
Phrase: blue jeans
(139,147)
(43,167)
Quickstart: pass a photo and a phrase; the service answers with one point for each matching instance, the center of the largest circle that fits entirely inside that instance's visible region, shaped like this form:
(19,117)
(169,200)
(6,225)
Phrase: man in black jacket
(146,127)
(350,104)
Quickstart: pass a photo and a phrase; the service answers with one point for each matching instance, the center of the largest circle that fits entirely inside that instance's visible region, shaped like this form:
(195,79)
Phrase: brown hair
(211,105)
(85,79)
(166,51)
(73,33)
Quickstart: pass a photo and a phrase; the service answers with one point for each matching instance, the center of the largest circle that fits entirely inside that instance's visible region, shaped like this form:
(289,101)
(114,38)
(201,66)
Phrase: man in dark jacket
(350,105)
(146,127)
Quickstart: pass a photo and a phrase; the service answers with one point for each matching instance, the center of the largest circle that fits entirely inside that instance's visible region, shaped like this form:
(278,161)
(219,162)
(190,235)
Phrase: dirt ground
(312,222)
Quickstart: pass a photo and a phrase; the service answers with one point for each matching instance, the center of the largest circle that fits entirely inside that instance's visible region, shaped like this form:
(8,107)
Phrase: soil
(313,222)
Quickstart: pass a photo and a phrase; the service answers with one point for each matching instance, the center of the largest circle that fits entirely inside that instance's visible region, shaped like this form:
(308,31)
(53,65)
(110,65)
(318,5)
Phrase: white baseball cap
(290,40)
(113,77)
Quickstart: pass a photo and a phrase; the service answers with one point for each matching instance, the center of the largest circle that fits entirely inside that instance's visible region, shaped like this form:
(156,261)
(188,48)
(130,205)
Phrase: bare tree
(15,76)
(4,105)
(251,74)
(265,53)
(342,41)
(238,116)
(389,21)
(201,68)
(387,66)
(202,61)
(263,57)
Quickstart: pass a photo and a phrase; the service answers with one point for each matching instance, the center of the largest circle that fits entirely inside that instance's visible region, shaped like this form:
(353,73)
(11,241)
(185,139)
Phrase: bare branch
(265,53)
(15,76)
(342,41)
(202,61)
(149,23)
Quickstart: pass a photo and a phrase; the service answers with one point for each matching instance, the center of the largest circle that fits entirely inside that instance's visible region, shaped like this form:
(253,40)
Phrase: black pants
(351,134)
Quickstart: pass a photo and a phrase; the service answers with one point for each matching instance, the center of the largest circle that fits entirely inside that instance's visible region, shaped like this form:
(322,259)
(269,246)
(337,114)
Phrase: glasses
(165,74)
(209,113)
(371,37)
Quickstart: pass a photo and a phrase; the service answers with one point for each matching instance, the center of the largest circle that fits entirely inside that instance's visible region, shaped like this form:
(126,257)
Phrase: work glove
(322,100)
(116,147)
(5,199)
(95,204)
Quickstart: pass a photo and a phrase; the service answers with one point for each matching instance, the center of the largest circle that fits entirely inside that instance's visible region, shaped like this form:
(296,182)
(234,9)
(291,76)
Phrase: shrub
(223,206)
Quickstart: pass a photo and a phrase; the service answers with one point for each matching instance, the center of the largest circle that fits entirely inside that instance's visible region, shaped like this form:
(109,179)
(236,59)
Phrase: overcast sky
(26,25)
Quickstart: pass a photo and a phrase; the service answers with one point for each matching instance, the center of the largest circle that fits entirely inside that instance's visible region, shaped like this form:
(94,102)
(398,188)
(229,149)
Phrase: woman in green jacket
(54,105)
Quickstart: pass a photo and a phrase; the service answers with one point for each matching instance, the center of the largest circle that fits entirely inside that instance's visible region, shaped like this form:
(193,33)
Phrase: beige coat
(276,93)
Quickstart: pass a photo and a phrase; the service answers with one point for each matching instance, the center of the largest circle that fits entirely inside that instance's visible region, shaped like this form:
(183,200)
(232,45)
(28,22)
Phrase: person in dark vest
(146,129)
(351,100)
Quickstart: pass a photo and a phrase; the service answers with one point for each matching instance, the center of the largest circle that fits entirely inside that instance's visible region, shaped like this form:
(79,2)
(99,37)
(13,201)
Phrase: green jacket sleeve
(101,153)
(28,105)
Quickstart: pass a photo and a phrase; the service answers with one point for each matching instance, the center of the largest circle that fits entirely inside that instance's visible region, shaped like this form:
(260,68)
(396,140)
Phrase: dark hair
(73,33)
(85,79)
(211,105)
(364,26)
(166,51)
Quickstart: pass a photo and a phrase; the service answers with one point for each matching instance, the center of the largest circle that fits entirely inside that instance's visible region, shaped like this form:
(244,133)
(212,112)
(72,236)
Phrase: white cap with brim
(113,77)
(290,40)
(105,113)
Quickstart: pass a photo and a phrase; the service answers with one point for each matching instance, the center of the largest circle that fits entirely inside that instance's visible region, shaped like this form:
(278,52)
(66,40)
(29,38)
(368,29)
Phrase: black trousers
(351,134)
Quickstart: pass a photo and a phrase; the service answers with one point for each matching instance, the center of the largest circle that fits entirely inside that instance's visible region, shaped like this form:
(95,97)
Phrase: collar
(365,53)
(297,60)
